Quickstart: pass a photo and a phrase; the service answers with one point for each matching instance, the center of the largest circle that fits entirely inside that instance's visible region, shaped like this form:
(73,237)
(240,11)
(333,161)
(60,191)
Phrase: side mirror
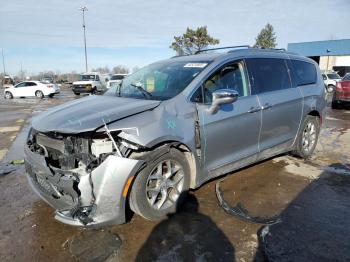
(221,97)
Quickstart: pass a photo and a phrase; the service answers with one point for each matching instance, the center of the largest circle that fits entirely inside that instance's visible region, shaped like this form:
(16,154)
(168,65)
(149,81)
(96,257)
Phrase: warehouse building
(330,55)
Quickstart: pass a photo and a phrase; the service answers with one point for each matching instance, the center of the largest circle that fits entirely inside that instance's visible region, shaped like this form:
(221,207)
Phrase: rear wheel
(161,186)
(307,137)
(77,94)
(8,95)
(39,94)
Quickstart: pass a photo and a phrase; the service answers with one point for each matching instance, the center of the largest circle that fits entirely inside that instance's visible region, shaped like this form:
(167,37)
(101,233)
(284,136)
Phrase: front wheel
(161,186)
(330,88)
(39,94)
(8,95)
(307,137)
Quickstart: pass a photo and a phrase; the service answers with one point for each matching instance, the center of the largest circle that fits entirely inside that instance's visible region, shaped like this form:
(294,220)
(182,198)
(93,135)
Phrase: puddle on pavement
(94,245)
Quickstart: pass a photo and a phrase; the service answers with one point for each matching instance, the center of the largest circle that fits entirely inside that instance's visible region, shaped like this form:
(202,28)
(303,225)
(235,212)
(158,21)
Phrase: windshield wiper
(142,90)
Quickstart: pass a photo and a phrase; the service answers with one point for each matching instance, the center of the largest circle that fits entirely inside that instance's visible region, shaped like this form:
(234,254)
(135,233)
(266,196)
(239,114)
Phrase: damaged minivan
(170,127)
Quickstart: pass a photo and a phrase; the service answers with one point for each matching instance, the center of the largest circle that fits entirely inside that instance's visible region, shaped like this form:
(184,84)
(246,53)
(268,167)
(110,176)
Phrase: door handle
(266,106)
(254,109)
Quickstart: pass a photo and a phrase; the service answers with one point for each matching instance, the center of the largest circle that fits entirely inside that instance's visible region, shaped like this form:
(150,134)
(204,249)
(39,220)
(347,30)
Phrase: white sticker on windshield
(198,65)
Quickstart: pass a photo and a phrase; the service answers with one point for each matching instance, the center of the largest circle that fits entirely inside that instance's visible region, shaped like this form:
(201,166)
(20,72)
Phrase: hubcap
(309,137)
(165,184)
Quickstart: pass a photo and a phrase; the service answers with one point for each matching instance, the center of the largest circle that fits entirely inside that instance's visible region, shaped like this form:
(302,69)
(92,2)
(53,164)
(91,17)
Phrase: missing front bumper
(85,199)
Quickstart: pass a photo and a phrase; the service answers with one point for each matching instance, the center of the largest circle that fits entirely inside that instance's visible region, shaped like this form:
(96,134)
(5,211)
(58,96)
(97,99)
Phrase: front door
(232,133)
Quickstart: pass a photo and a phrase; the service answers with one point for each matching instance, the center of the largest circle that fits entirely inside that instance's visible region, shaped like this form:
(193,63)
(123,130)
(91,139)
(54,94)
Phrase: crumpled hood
(83,82)
(89,113)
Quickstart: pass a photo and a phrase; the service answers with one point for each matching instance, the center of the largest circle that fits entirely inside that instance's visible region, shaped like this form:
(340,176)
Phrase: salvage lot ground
(311,196)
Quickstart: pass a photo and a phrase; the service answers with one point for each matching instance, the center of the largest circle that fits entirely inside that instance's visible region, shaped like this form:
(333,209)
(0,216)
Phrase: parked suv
(342,92)
(169,127)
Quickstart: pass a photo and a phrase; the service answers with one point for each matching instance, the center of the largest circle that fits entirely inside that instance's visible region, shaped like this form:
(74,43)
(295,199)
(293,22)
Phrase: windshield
(117,77)
(87,77)
(159,81)
(333,76)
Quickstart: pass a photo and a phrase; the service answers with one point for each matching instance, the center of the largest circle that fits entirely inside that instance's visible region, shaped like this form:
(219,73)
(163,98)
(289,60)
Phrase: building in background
(330,54)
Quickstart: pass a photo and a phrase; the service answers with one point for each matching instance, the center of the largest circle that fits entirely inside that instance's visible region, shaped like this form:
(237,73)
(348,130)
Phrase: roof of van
(232,53)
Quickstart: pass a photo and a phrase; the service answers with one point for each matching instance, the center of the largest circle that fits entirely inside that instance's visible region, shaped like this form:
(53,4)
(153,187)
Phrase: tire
(330,88)
(77,94)
(147,196)
(307,137)
(8,95)
(51,95)
(94,91)
(39,94)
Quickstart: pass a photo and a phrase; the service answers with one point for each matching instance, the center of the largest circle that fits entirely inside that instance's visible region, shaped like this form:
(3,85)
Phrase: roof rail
(219,48)
(277,49)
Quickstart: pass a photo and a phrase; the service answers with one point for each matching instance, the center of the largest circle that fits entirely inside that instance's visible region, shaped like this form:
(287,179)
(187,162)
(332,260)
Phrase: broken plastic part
(111,138)
(240,212)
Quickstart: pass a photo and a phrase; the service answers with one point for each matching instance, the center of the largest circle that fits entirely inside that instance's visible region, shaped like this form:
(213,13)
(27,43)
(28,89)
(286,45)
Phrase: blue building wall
(321,48)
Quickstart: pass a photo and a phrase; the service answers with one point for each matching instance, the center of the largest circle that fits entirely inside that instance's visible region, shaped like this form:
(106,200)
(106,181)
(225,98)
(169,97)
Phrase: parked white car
(330,80)
(116,79)
(31,89)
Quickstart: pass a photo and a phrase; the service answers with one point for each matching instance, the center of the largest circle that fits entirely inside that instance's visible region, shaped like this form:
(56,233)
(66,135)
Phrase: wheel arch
(165,146)
(317,114)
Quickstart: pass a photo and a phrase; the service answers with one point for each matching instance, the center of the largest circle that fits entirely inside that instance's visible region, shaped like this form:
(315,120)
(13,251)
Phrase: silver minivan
(170,127)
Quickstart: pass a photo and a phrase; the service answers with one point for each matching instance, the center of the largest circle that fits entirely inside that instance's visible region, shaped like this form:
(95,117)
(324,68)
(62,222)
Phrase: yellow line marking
(9,129)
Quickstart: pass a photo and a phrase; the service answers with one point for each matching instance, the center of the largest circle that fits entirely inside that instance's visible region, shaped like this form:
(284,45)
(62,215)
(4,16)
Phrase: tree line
(195,40)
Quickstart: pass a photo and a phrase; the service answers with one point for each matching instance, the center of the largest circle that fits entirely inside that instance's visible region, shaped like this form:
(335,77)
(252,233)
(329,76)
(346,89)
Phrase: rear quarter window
(304,73)
(268,74)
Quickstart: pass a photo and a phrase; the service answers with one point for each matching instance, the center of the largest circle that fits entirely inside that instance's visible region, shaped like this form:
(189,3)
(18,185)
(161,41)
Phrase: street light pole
(84,9)
(3,61)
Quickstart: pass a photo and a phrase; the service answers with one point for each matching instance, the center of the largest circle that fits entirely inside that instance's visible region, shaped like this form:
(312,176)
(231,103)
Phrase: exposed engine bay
(70,152)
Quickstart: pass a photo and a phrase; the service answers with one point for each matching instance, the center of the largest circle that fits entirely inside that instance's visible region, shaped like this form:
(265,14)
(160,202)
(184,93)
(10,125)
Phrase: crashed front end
(85,177)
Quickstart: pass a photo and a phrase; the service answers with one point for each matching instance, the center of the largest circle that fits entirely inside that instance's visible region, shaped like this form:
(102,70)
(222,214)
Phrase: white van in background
(91,82)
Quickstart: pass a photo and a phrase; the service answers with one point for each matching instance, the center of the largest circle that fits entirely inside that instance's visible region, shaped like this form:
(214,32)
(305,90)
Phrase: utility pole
(3,61)
(84,9)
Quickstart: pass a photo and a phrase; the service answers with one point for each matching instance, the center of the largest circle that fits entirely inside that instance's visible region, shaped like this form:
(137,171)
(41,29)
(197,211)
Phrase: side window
(23,84)
(232,76)
(324,77)
(268,74)
(97,78)
(304,72)
(30,84)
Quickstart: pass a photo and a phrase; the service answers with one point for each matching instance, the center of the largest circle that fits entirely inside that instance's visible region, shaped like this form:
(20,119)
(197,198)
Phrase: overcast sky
(47,35)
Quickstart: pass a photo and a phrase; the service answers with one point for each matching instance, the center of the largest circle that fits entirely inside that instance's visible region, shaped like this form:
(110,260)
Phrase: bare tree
(102,70)
(120,69)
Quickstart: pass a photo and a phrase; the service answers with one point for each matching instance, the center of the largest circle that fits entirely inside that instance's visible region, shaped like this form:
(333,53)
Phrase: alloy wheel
(309,136)
(165,184)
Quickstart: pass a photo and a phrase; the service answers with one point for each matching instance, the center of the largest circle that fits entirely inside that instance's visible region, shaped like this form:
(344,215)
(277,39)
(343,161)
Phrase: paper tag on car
(197,65)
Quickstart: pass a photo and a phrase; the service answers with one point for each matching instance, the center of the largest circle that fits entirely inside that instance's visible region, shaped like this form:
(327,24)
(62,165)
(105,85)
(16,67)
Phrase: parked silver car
(169,127)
